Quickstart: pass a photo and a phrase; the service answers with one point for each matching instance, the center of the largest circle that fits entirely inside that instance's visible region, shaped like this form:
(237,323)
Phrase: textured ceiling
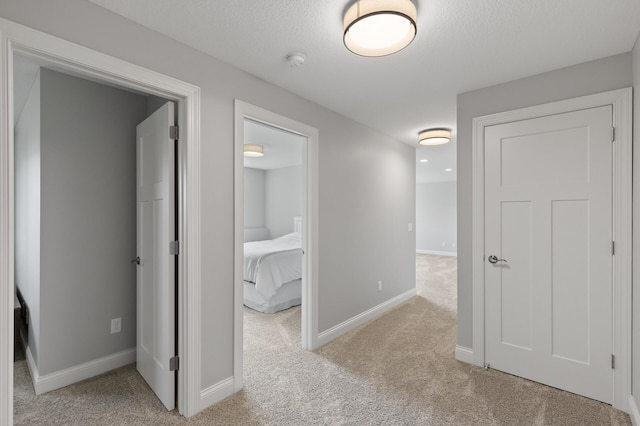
(281,148)
(461,45)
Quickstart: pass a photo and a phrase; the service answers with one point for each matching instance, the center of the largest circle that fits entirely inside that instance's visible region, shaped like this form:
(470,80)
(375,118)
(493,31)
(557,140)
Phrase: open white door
(156,280)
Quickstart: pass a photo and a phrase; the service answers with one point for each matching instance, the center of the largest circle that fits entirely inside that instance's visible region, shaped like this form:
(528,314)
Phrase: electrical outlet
(116,325)
(379,285)
(444,244)
(410,227)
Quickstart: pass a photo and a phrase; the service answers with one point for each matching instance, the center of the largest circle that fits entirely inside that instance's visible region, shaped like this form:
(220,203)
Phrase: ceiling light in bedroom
(379,27)
(423,160)
(434,136)
(251,150)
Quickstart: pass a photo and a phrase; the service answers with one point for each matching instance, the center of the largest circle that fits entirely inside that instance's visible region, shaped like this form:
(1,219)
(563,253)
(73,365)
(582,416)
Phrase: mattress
(270,264)
(289,294)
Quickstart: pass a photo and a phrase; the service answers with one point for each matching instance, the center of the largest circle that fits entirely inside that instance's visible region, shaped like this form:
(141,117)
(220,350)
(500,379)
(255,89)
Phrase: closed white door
(156,270)
(548,222)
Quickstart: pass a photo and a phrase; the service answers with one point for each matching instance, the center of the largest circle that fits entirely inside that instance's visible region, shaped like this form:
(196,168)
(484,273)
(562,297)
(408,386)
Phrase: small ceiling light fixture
(423,160)
(434,136)
(379,27)
(251,150)
(448,170)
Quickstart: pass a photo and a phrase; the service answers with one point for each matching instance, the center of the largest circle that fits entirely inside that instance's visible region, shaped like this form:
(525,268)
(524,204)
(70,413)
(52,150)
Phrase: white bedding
(271,263)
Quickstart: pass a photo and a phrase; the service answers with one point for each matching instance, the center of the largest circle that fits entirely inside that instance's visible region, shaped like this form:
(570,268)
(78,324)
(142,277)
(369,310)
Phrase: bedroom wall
(635,367)
(88,214)
(283,199)
(366,179)
(254,198)
(597,76)
(27,210)
(436,217)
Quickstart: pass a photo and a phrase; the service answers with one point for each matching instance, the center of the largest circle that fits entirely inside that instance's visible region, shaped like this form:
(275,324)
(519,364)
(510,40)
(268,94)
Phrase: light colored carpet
(396,370)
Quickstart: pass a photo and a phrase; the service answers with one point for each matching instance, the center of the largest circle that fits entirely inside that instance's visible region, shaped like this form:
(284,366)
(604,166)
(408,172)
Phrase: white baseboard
(464,354)
(633,411)
(68,376)
(438,253)
(216,393)
(348,325)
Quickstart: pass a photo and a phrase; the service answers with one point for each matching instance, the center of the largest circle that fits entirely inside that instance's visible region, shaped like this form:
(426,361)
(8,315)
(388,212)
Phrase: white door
(548,214)
(156,270)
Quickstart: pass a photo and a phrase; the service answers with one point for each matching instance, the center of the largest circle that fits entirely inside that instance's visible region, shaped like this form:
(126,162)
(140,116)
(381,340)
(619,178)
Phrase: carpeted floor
(396,370)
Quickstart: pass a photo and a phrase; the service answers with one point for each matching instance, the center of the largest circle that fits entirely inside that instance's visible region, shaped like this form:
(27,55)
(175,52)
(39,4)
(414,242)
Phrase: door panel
(156,271)
(548,212)
(570,279)
(516,277)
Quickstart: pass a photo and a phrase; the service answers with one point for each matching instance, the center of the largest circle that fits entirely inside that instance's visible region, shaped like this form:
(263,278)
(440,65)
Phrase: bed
(272,271)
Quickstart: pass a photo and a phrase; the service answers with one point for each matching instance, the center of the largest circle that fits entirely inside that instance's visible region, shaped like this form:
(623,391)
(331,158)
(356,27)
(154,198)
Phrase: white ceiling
(460,46)
(439,158)
(281,148)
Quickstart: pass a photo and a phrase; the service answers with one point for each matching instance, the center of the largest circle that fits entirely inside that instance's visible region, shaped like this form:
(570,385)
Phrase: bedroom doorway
(273,200)
(275,232)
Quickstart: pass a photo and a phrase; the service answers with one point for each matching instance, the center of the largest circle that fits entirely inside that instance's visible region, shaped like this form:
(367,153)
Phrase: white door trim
(78,60)
(309,320)
(622,202)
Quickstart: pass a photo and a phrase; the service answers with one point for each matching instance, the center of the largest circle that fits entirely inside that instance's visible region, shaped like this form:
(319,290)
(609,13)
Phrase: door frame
(87,63)
(621,100)
(309,314)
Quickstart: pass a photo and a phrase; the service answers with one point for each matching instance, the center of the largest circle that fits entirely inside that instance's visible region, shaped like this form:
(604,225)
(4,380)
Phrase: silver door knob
(136,260)
(494,259)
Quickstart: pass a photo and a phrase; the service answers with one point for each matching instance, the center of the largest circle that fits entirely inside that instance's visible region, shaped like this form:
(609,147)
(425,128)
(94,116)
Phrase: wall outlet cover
(116,325)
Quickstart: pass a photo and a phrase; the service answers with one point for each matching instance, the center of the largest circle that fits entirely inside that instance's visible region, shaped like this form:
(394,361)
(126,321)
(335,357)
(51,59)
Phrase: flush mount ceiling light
(434,136)
(251,150)
(379,27)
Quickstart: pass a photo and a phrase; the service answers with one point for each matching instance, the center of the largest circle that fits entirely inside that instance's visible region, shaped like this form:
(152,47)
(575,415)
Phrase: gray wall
(436,217)
(366,179)
(254,198)
(27,210)
(636,220)
(283,199)
(579,80)
(88,219)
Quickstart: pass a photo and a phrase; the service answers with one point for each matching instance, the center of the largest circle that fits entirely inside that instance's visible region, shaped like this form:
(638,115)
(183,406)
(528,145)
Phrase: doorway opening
(283,185)
(74,60)
(274,196)
(84,241)
(273,199)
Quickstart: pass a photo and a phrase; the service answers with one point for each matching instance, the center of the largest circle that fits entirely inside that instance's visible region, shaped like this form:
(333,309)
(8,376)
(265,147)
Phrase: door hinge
(174,363)
(613,134)
(613,361)
(174,247)
(173,132)
(613,248)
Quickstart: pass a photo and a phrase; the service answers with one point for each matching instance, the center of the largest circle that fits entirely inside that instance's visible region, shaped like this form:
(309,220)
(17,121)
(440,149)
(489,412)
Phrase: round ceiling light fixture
(379,27)
(251,150)
(434,136)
